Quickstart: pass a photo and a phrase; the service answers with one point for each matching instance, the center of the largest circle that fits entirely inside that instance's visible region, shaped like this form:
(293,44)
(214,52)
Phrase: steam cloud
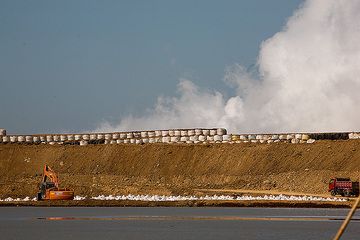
(309,81)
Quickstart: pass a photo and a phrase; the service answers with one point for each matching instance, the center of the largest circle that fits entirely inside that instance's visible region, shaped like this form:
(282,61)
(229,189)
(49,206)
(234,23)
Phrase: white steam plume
(309,81)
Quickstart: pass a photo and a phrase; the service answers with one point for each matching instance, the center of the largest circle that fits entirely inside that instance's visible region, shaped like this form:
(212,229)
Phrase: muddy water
(173,223)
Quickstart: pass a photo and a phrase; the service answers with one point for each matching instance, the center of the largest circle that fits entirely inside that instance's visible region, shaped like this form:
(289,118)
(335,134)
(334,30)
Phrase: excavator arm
(51,175)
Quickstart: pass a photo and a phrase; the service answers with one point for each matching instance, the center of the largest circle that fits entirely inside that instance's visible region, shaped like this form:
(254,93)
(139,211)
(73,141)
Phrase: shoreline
(196,203)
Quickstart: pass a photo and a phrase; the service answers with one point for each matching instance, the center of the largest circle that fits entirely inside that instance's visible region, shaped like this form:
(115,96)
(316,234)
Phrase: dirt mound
(178,169)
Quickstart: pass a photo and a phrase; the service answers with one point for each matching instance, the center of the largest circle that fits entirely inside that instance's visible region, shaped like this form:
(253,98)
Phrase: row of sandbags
(354,135)
(218,135)
(107,137)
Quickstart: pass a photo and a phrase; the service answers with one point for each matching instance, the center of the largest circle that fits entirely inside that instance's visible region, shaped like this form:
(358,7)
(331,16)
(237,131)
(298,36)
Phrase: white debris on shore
(164,198)
(10,199)
(79,198)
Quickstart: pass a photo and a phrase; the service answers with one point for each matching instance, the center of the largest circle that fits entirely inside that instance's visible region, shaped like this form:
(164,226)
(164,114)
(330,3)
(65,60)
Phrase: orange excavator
(49,187)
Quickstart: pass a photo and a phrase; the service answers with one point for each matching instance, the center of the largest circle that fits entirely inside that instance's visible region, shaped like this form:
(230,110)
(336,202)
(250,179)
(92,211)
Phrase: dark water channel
(173,223)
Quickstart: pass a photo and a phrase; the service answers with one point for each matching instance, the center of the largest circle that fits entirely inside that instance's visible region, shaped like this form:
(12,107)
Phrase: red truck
(344,187)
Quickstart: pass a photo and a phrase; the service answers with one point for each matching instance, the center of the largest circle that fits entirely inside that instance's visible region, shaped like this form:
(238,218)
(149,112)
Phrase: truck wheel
(333,193)
(347,193)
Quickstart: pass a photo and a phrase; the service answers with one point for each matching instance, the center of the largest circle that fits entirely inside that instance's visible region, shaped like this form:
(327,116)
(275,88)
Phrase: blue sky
(67,66)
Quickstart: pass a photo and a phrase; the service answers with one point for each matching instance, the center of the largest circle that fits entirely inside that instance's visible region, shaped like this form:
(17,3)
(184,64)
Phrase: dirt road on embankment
(174,169)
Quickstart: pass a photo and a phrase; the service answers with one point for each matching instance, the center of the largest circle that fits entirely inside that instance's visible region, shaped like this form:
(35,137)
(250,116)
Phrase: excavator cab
(49,187)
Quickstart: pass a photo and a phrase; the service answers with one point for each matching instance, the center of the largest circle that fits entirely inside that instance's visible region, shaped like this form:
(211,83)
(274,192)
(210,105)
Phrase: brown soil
(180,169)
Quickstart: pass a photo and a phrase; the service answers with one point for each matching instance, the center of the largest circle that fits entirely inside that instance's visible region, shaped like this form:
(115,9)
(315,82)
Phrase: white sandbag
(71,137)
(83,143)
(263,141)
(165,133)
(251,137)
(151,134)
(298,136)
(29,139)
(158,139)
(198,131)
(152,140)
(145,140)
(49,138)
(191,132)
(42,138)
(210,138)
(166,139)
(226,137)
(21,139)
(310,141)
(305,137)
(275,137)
(171,132)
(108,136)
(194,138)
(36,139)
(126,140)
(221,131)
(6,139)
(206,132)
(130,135)
(243,137)
(113,141)
(259,137)
(184,133)
(63,138)
(158,133)
(2,132)
(270,141)
(92,137)
(56,138)
(290,136)
(138,141)
(218,138)
(144,134)
(52,143)
(276,141)
(184,139)
(100,137)
(295,140)
(212,132)
(175,139)
(202,138)
(120,141)
(282,137)
(77,137)
(106,141)
(189,142)
(177,133)
(132,140)
(122,135)
(115,136)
